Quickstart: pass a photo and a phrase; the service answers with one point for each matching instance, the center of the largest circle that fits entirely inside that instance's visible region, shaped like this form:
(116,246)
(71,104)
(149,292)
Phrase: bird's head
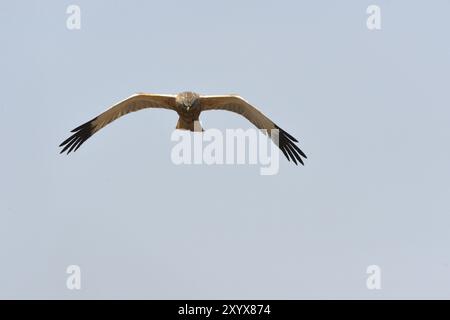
(187,100)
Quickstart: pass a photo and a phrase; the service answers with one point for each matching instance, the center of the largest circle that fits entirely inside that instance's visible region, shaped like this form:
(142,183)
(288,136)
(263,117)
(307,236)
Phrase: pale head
(187,100)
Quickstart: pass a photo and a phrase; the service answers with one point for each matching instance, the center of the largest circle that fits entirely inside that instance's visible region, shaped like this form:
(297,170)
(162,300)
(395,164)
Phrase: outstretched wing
(236,104)
(131,104)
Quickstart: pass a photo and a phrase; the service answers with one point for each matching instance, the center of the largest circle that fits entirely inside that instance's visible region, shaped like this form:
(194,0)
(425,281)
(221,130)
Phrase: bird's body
(188,105)
(188,110)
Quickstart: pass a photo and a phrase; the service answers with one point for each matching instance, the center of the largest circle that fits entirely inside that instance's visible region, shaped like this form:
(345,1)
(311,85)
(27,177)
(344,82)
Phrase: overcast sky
(369,107)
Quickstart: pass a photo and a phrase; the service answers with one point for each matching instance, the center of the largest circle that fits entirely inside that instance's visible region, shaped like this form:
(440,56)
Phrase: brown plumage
(188,105)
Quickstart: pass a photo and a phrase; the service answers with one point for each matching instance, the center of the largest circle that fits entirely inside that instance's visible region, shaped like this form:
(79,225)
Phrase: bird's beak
(188,108)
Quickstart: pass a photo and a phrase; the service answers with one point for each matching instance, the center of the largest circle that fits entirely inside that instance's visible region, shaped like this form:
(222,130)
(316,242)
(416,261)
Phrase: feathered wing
(131,104)
(236,104)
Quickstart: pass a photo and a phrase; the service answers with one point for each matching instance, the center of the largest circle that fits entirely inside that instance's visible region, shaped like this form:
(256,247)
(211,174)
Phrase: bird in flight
(188,105)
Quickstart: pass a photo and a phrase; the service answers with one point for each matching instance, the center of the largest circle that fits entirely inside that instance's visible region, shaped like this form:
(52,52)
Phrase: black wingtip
(81,134)
(287,145)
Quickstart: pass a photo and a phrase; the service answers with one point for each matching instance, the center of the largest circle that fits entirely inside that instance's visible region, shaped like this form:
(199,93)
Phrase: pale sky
(370,109)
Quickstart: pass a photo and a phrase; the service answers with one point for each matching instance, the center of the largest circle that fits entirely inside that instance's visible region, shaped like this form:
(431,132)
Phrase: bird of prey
(188,105)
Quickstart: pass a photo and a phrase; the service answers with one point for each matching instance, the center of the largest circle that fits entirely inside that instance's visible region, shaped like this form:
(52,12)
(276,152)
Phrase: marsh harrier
(188,105)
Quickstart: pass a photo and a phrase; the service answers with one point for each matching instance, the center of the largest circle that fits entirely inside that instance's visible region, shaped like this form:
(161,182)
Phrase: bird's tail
(193,125)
